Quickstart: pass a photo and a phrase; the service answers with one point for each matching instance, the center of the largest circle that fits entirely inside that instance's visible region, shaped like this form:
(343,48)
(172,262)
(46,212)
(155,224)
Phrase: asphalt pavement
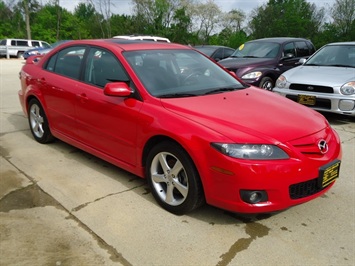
(62,206)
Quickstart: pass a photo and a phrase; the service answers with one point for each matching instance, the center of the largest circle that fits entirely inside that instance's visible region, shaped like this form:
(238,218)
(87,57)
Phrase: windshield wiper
(339,65)
(220,90)
(250,56)
(176,95)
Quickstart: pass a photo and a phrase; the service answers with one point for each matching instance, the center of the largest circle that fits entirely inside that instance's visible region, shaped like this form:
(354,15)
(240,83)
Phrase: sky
(125,6)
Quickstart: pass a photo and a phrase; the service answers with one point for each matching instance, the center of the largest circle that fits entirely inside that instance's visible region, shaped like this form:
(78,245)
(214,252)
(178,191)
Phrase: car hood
(231,62)
(320,75)
(249,115)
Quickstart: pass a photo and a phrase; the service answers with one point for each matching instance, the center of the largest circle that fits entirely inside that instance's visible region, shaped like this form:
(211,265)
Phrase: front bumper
(334,103)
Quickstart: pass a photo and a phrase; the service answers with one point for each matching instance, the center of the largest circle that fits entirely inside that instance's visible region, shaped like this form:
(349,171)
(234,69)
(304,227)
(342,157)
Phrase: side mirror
(302,60)
(288,56)
(117,89)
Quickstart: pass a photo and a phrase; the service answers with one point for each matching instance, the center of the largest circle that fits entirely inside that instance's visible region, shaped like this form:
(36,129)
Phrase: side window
(13,43)
(228,52)
(35,44)
(22,43)
(289,49)
(103,67)
(219,54)
(67,62)
(302,49)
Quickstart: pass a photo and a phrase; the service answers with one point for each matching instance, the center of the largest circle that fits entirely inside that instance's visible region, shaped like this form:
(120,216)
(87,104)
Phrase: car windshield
(257,50)
(180,73)
(334,55)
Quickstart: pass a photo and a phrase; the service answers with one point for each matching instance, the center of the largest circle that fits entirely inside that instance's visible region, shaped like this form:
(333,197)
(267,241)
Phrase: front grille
(304,189)
(320,103)
(312,88)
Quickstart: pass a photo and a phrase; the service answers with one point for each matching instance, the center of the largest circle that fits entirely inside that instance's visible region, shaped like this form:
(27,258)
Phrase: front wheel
(173,178)
(267,83)
(38,122)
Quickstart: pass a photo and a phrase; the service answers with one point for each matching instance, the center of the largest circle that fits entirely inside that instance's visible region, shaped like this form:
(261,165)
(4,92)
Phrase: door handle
(82,97)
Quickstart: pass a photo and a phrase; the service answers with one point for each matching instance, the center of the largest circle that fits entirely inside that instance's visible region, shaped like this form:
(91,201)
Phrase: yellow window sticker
(241,47)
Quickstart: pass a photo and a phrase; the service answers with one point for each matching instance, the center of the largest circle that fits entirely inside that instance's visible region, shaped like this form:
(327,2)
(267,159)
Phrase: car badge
(323,146)
(310,88)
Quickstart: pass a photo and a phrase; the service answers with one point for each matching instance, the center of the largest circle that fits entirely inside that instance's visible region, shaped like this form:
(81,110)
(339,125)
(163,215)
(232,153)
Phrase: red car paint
(121,129)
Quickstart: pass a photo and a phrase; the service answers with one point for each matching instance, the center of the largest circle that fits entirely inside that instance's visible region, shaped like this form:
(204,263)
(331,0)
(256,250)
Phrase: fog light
(346,105)
(253,196)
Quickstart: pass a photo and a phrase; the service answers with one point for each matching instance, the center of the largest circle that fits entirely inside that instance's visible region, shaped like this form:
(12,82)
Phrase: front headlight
(281,82)
(252,75)
(348,88)
(251,151)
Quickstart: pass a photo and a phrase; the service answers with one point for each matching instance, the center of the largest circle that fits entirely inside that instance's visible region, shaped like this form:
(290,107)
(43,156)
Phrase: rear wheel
(267,83)
(20,55)
(38,122)
(173,178)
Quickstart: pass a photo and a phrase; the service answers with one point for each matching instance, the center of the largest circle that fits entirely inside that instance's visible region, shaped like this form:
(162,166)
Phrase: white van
(16,47)
(142,38)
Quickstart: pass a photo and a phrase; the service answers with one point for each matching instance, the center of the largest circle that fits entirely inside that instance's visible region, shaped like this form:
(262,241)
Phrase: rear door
(60,87)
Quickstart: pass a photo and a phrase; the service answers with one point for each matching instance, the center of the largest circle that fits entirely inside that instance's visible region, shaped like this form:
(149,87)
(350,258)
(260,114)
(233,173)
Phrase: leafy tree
(206,18)
(343,15)
(122,25)
(179,30)
(296,18)
(85,13)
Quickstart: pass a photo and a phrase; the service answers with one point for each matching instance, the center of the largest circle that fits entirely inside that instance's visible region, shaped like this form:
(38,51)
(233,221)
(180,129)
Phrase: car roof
(341,43)
(127,45)
(279,39)
(211,46)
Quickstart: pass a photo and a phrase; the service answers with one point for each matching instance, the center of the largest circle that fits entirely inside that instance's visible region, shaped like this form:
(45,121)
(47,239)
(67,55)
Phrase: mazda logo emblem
(310,88)
(323,146)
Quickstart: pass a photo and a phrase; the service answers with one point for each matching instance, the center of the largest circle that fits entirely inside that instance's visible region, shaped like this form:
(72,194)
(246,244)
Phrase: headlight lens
(348,88)
(281,82)
(251,151)
(252,75)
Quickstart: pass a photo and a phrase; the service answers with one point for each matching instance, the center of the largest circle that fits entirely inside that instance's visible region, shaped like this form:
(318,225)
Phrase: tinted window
(289,48)
(35,44)
(103,67)
(67,62)
(302,49)
(22,43)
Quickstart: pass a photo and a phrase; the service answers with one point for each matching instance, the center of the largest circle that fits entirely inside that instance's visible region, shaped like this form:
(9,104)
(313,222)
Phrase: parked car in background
(325,82)
(42,50)
(142,38)
(17,47)
(216,52)
(260,62)
(166,112)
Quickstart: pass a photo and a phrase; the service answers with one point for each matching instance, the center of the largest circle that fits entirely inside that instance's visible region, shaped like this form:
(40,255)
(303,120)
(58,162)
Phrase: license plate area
(306,99)
(328,173)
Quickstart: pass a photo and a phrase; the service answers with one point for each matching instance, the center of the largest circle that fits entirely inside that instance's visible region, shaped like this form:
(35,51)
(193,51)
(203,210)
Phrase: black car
(260,62)
(216,52)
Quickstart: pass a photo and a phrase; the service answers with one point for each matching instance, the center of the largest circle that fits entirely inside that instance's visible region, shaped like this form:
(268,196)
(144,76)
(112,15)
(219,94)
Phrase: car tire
(38,122)
(173,178)
(20,55)
(267,83)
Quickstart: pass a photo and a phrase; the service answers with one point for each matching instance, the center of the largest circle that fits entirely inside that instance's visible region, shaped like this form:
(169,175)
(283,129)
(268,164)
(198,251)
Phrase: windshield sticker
(241,47)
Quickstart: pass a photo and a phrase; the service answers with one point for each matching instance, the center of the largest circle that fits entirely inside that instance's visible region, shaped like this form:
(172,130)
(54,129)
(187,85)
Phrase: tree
(180,27)
(206,17)
(296,18)
(343,15)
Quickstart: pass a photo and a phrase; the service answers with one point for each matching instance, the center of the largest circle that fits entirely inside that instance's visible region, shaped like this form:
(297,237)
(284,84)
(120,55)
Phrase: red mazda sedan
(167,113)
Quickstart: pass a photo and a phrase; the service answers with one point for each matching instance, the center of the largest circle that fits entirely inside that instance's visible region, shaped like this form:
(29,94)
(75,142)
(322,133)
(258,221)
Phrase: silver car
(325,82)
